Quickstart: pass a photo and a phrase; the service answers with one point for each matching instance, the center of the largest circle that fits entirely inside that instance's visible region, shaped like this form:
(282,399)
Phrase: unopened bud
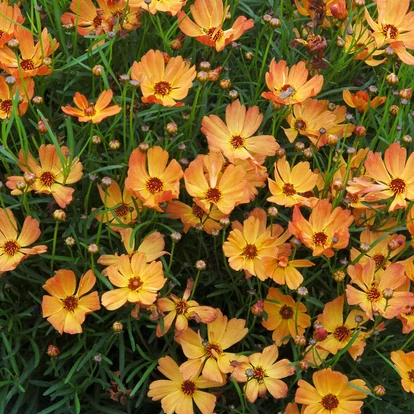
(93,248)
(171,128)
(114,145)
(339,276)
(53,351)
(392,79)
(117,327)
(59,215)
(379,390)
(176,237)
(29,177)
(97,70)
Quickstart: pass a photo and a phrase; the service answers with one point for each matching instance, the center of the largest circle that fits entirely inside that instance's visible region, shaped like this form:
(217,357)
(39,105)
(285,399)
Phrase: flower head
(24,89)
(9,16)
(404,363)
(361,100)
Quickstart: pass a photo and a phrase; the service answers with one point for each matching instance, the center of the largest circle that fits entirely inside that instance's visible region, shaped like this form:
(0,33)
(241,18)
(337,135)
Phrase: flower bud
(249,56)
(388,294)
(176,44)
(332,140)
(225,222)
(225,84)
(393,110)
(274,22)
(300,340)
(202,76)
(200,265)
(406,93)
(338,184)
(114,145)
(379,390)
(339,10)
(407,139)
(340,42)
(29,177)
(106,182)
(257,308)
(280,153)
(117,327)
(307,153)
(21,185)
(266,18)
(59,215)
(304,365)
(320,334)
(302,291)
(233,94)
(339,276)
(13,44)
(53,351)
(93,248)
(176,237)
(392,79)
(97,70)
(299,146)
(96,140)
(360,131)
(42,127)
(70,241)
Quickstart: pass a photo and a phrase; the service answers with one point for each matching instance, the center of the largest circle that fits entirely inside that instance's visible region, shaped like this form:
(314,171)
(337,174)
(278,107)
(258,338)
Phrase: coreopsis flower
(234,138)
(24,89)
(171,7)
(120,207)
(248,244)
(407,318)
(340,333)
(404,364)
(285,317)
(10,18)
(289,184)
(67,308)
(313,10)
(262,373)
(52,176)
(151,179)
(163,84)
(392,178)
(181,310)
(394,27)
(96,113)
(290,86)
(207,27)
(332,392)
(283,270)
(209,356)
(222,186)
(14,244)
(137,280)
(31,61)
(325,230)
(361,100)
(178,393)
(194,215)
(378,291)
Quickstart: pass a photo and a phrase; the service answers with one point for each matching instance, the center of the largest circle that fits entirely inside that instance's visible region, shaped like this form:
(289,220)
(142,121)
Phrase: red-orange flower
(25,90)
(361,100)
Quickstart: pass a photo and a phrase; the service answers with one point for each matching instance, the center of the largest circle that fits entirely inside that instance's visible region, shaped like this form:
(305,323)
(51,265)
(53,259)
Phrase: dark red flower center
(135,283)
(198,211)
(237,141)
(320,238)
(250,251)
(286,312)
(330,402)
(213,195)
(288,189)
(11,247)
(154,185)
(162,88)
(342,333)
(70,303)
(213,347)
(6,105)
(397,186)
(47,178)
(389,31)
(27,64)
(188,388)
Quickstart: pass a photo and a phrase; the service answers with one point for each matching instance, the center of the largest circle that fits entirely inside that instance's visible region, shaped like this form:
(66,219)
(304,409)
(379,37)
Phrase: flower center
(97,21)
(11,247)
(410,311)
(181,306)
(154,185)
(389,31)
(134,283)
(283,261)
(378,259)
(237,141)
(373,294)
(397,186)
(47,178)
(286,312)
(300,125)
(213,351)
(6,105)
(342,333)
(188,388)
(411,375)
(27,64)
(215,36)
(70,303)
(122,210)
(89,111)
(250,251)
(319,239)
(286,91)
(288,189)
(213,195)
(162,88)
(259,373)
(353,198)
(198,211)
(330,402)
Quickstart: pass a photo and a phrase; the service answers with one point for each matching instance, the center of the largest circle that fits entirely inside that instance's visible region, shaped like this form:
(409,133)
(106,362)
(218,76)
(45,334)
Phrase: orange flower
(309,8)
(156,184)
(65,309)
(209,357)
(171,7)
(256,174)
(23,88)
(331,393)
(138,281)
(207,27)
(262,373)
(160,84)
(361,100)
(285,317)
(181,310)
(9,16)
(33,57)
(407,319)
(290,183)
(223,186)
(289,87)
(395,27)
(51,175)
(96,113)
(378,291)
(177,393)
(12,244)
(404,363)
(325,230)
(234,139)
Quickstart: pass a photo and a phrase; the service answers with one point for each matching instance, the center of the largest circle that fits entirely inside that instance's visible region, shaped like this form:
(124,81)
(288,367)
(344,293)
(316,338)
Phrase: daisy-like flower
(404,363)
(394,27)
(248,244)
(9,16)
(289,184)
(223,186)
(407,318)
(290,86)
(325,230)
(178,393)
(171,7)
(13,246)
(32,58)
(51,175)
(393,178)
(207,27)
(209,356)
(138,282)
(25,90)
(361,100)
(181,310)
(67,308)
(285,317)
(262,373)
(234,138)
(150,179)
(331,393)
(163,84)
(86,112)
